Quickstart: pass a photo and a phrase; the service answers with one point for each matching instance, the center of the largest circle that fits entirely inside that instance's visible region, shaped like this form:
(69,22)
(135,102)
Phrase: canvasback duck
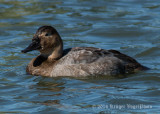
(53,61)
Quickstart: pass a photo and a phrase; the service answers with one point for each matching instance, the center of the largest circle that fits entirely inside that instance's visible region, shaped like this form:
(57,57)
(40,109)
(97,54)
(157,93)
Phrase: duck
(54,61)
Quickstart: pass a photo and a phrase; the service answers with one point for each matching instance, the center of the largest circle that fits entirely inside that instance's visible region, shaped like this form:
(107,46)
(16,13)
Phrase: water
(130,26)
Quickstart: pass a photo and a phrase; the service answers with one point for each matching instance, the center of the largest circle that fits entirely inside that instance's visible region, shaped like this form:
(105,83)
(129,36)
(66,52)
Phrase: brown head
(47,41)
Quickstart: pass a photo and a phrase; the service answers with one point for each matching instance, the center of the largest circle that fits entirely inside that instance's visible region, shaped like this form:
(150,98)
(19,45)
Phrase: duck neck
(57,53)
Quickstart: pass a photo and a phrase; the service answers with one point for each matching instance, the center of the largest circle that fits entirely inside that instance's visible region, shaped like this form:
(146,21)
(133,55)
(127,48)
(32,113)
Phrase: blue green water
(130,26)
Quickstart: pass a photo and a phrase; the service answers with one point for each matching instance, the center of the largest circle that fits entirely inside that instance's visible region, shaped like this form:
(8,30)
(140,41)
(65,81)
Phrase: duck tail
(143,68)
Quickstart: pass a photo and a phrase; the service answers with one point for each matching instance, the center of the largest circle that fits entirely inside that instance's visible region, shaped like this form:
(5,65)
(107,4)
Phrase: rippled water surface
(130,26)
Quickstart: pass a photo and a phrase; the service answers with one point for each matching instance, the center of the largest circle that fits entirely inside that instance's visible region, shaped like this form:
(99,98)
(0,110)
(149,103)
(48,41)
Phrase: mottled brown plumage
(76,62)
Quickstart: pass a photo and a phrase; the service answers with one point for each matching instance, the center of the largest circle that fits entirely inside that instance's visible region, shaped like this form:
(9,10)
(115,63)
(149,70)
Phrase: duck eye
(47,34)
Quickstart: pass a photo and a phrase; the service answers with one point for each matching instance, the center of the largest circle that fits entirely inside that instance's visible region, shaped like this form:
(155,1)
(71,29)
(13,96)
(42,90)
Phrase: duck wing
(86,55)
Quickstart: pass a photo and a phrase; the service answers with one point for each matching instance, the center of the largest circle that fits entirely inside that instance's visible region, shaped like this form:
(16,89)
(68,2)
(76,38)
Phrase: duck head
(47,41)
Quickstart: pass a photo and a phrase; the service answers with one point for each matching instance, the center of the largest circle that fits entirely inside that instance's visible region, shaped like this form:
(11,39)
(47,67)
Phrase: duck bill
(33,46)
